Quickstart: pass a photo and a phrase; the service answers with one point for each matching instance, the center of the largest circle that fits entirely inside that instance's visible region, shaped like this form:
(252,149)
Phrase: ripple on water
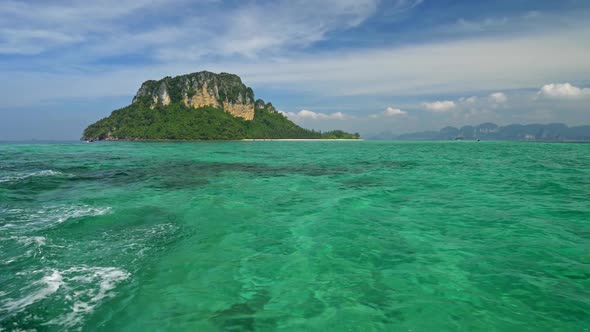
(369,236)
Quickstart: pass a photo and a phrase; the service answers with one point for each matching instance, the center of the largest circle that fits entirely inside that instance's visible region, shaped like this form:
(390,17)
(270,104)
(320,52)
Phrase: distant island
(554,132)
(200,106)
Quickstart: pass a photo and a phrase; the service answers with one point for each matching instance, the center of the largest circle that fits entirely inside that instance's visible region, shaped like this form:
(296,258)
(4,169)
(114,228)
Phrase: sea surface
(295,236)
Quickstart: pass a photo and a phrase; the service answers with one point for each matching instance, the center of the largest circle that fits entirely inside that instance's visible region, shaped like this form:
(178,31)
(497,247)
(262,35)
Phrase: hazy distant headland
(200,106)
(554,132)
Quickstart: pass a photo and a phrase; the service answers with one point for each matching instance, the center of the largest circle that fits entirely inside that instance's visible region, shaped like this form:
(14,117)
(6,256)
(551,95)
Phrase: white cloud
(33,41)
(442,67)
(510,23)
(463,25)
(32,28)
(466,109)
(467,65)
(307,114)
(210,27)
(389,112)
(563,91)
(254,28)
(468,100)
(498,97)
(439,106)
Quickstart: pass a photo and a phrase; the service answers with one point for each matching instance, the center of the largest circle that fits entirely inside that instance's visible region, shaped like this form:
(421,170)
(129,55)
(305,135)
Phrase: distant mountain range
(490,131)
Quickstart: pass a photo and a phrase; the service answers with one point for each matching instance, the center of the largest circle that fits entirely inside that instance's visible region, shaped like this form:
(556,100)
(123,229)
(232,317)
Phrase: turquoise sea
(295,236)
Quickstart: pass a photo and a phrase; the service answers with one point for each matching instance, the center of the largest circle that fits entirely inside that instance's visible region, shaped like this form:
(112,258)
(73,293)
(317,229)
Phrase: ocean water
(295,236)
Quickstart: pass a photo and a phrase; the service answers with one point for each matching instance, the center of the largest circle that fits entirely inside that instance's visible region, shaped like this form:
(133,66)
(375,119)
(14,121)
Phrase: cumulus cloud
(307,114)
(439,106)
(468,100)
(498,97)
(563,91)
(389,112)
(473,108)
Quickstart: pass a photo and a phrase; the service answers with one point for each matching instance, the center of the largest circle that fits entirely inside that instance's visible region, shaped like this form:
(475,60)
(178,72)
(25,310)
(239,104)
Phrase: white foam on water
(81,211)
(50,284)
(83,288)
(87,287)
(47,216)
(30,245)
(28,240)
(22,176)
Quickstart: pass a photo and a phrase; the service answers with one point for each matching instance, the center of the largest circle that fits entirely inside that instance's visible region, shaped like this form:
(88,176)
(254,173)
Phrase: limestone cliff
(201,89)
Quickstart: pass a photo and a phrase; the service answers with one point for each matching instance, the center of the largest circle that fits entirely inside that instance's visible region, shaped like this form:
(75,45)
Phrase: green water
(295,236)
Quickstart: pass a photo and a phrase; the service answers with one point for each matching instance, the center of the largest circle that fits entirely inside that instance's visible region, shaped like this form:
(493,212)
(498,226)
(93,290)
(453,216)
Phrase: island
(200,106)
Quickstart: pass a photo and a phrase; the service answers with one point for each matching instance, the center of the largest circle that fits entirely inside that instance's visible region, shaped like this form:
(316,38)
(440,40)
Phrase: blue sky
(361,65)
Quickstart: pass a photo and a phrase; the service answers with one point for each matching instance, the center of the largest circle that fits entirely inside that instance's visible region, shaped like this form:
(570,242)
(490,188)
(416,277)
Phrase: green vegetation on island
(200,106)
(179,122)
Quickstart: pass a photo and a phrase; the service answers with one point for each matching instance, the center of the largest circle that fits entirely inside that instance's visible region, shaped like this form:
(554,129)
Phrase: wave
(26,246)
(49,285)
(38,241)
(87,287)
(81,211)
(83,287)
(47,216)
(42,173)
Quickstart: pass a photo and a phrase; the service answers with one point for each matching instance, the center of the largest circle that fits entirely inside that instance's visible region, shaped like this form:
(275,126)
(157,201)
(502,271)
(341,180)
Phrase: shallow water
(293,236)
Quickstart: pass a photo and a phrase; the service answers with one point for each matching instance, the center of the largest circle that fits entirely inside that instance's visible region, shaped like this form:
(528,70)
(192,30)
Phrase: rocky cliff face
(202,89)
